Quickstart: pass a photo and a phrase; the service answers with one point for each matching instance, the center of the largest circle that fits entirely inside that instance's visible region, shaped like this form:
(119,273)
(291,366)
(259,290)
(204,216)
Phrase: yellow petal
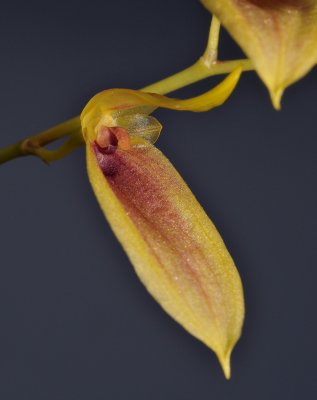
(279,36)
(111,106)
(174,247)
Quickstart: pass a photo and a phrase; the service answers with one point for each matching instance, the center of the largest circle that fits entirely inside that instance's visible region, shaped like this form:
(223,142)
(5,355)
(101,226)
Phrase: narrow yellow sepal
(108,107)
(279,36)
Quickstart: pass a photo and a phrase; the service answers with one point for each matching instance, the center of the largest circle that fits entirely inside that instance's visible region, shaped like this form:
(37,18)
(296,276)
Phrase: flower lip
(108,139)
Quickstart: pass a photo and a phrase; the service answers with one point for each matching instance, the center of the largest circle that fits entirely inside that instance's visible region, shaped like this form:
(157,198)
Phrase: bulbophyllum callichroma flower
(279,36)
(174,247)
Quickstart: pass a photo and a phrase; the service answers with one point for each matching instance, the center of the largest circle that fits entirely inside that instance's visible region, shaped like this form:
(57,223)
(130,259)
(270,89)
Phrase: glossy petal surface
(279,36)
(174,247)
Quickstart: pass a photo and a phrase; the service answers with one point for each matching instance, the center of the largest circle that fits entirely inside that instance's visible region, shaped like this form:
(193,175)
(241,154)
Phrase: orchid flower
(174,247)
(279,36)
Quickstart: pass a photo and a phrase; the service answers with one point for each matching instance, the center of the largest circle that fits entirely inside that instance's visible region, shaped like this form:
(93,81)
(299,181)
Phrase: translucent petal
(141,125)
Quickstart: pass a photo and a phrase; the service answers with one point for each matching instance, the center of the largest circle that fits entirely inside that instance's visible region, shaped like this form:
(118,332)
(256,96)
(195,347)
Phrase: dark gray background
(75,322)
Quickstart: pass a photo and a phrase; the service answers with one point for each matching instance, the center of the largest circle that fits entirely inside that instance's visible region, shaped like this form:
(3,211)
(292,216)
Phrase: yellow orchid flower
(174,247)
(279,36)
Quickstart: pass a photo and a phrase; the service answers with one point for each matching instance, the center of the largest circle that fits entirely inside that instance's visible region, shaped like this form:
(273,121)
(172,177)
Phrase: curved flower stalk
(279,36)
(174,247)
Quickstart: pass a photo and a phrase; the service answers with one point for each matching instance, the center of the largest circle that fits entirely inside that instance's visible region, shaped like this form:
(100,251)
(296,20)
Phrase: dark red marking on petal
(131,175)
(106,159)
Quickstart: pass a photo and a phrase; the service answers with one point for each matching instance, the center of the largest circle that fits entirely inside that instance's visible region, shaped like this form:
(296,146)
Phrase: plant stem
(33,144)
(195,73)
(211,52)
(205,67)
(75,140)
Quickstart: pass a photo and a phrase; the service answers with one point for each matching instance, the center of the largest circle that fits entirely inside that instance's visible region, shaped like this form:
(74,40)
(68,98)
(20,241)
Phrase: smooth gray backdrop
(75,322)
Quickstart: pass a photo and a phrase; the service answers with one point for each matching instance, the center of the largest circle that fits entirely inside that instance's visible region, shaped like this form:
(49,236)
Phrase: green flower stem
(205,67)
(33,145)
(211,52)
(195,73)
(74,140)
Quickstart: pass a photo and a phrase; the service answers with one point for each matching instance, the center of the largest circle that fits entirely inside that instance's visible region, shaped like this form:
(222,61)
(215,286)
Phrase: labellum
(174,247)
(279,36)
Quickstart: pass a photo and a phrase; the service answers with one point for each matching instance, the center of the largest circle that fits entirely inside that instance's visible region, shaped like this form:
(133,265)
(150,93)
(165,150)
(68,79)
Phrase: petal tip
(276,96)
(224,360)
